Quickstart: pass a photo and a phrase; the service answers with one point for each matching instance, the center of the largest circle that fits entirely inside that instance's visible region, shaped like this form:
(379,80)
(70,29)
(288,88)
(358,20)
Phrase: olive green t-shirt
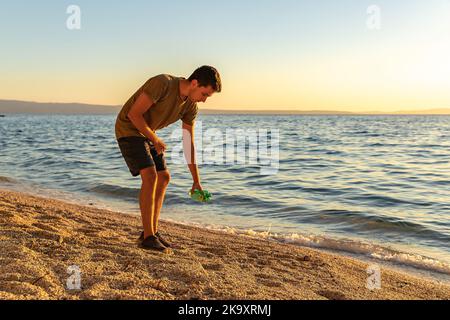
(168,107)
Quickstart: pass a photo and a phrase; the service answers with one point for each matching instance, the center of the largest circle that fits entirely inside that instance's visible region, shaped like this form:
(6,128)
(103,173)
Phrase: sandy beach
(41,238)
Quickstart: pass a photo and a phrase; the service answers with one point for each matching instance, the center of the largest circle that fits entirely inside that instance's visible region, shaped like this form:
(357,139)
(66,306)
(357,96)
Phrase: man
(161,101)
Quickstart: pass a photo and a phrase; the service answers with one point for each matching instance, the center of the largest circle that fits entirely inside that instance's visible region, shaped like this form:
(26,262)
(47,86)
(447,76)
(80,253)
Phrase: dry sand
(40,238)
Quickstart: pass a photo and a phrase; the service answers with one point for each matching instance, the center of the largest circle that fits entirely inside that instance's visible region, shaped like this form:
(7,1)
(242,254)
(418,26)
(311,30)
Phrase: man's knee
(149,175)
(164,176)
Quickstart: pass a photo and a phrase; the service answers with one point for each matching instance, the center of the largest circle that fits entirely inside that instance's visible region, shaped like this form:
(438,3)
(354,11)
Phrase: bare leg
(161,187)
(147,200)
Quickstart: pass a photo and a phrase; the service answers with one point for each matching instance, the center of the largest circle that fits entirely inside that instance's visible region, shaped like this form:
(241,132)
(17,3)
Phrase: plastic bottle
(200,196)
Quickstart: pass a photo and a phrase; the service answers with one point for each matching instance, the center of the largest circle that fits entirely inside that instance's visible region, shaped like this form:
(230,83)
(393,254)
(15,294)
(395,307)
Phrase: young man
(161,101)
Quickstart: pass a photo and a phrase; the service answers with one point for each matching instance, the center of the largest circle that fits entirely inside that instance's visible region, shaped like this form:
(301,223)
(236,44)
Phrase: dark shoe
(158,235)
(163,241)
(153,243)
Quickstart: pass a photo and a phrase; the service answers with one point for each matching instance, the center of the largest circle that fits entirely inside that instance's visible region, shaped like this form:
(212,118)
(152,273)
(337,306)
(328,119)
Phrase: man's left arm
(189,154)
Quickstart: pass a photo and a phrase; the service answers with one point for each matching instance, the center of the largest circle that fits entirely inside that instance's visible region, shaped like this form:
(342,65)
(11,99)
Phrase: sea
(374,187)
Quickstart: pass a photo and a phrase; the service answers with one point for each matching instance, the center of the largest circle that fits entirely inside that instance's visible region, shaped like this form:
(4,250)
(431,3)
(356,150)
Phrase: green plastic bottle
(200,196)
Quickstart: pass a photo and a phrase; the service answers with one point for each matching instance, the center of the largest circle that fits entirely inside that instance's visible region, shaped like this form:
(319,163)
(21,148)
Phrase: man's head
(203,83)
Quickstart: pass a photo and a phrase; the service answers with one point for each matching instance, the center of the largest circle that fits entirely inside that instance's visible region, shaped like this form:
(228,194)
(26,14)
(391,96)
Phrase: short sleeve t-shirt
(168,107)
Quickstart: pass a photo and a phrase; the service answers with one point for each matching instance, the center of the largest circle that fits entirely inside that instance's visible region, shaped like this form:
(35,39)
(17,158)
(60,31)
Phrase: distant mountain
(274,112)
(429,111)
(13,106)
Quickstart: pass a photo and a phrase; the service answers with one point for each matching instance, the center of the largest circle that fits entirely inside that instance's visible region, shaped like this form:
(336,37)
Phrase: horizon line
(446,110)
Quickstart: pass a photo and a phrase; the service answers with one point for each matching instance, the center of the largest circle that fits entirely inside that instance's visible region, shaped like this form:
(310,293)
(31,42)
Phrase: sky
(284,54)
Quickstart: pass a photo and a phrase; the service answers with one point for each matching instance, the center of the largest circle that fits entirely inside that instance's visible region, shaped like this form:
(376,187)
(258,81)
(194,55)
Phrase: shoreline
(404,261)
(42,237)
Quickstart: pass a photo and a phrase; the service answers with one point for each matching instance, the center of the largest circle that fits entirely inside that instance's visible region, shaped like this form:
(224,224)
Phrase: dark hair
(207,76)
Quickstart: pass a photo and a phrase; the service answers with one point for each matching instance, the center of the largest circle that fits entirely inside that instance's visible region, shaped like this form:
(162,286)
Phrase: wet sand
(41,238)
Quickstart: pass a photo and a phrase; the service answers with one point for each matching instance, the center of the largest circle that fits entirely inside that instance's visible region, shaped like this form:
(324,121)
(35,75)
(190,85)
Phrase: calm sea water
(377,186)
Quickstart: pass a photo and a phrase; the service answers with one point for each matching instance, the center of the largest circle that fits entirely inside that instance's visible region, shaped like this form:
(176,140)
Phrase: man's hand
(196,185)
(159,145)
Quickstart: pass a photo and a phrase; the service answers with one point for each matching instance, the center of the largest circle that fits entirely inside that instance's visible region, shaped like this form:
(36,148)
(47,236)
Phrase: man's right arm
(136,116)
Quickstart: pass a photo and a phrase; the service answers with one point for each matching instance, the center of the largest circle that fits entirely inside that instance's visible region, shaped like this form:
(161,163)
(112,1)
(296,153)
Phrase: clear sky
(284,54)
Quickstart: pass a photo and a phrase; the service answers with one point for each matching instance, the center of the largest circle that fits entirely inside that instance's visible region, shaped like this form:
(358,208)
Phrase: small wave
(286,186)
(369,250)
(429,146)
(361,248)
(290,186)
(115,191)
(80,162)
(176,199)
(327,191)
(56,150)
(312,139)
(334,152)
(375,145)
(318,150)
(386,201)
(364,133)
(246,201)
(359,222)
(356,132)
(441,182)
(45,161)
(440,162)
(374,135)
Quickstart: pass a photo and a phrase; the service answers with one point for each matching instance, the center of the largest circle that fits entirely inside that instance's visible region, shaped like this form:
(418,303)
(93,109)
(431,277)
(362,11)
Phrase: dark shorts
(139,153)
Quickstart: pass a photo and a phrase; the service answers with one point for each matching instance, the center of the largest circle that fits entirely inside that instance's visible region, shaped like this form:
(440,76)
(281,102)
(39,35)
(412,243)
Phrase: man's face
(200,94)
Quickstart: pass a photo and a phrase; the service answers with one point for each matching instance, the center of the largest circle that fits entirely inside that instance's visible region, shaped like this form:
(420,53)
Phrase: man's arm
(189,154)
(136,116)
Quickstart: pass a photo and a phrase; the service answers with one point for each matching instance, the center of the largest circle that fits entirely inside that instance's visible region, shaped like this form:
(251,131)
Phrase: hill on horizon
(16,106)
